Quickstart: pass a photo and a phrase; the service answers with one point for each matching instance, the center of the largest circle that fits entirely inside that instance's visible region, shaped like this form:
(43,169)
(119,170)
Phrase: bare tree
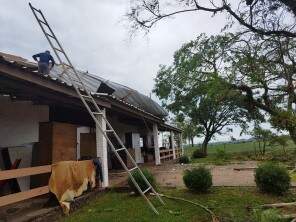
(264,17)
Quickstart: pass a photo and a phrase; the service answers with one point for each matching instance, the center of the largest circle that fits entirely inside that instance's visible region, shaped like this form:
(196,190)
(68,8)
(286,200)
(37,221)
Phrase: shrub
(221,154)
(137,176)
(270,215)
(198,154)
(272,178)
(184,159)
(198,179)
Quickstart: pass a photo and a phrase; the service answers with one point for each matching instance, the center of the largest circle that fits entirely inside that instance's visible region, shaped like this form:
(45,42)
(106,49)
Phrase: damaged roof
(94,84)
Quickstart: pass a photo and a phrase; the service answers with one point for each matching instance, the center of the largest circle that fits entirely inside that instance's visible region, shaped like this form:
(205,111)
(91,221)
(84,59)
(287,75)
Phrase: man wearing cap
(43,59)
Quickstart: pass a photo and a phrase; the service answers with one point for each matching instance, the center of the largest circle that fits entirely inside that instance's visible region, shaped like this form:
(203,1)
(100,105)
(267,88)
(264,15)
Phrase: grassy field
(235,147)
(229,204)
(243,151)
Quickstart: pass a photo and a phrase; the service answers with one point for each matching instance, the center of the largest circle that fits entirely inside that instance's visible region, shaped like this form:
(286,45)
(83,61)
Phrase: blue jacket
(44,58)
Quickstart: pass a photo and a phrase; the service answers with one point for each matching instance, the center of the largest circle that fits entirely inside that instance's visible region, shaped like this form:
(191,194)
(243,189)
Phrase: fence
(23,172)
(167,154)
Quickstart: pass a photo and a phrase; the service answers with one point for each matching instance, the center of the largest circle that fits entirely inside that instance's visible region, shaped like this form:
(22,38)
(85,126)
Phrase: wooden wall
(57,142)
(64,141)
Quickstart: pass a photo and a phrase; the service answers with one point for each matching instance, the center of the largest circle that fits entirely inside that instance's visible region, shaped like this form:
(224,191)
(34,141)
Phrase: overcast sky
(95,34)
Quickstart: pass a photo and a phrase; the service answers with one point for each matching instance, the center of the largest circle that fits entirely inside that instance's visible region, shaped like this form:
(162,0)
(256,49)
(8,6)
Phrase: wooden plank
(168,156)
(22,172)
(165,151)
(16,197)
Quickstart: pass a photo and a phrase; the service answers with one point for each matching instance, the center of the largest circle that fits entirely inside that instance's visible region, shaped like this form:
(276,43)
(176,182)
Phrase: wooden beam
(22,172)
(166,150)
(16,197)
(168,156)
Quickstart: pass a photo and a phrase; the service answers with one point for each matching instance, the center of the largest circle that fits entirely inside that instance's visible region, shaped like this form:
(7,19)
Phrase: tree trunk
(259,147)
(204,145)
(292,132)
(192,143)
(264,146)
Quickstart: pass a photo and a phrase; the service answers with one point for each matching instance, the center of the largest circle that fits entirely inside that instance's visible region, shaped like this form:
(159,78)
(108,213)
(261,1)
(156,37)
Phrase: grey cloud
(96,40)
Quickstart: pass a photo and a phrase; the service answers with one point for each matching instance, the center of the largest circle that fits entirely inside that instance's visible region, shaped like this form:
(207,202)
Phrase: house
(43,121)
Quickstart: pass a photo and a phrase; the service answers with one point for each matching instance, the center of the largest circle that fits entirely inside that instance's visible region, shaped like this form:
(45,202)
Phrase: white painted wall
(19,122)
(25,153)
(19,130)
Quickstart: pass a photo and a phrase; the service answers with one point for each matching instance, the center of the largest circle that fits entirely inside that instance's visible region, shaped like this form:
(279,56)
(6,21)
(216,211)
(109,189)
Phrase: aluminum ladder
(91,106)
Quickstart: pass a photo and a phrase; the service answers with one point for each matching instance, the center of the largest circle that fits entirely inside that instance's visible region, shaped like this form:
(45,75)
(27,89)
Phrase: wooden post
(156,145)
(173,144)
(102,151)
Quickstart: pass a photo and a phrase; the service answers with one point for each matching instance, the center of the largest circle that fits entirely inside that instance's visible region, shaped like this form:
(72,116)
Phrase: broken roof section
(94,84)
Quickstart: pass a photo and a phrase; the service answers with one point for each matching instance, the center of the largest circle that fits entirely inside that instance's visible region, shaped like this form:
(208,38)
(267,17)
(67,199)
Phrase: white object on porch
(137,148)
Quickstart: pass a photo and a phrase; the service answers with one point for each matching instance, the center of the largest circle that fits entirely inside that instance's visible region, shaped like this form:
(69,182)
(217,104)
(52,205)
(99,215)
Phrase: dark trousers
(43,68)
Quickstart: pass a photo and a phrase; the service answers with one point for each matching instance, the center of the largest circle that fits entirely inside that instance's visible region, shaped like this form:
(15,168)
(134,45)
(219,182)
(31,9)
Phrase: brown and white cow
(69,179)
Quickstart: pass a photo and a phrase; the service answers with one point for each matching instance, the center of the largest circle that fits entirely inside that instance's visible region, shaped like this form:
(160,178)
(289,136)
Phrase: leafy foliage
(189,130)
(272,178)
(184,159)
(262,137)
(139,179)
(221,154)
(198,179)
(270,215)
(192,89)
(258,63)
(198,154)
(282,140)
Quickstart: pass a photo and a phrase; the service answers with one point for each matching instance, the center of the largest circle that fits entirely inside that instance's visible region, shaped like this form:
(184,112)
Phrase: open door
(88,145)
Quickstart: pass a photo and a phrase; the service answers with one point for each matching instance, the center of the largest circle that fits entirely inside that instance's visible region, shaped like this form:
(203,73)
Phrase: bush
(184,159)
(137,176)
(221,154)
(272,178)
(198,154)
(270,215)
(198,179)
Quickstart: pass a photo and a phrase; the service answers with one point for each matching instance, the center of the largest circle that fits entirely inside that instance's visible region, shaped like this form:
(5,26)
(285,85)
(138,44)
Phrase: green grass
(229,204)
(241,152)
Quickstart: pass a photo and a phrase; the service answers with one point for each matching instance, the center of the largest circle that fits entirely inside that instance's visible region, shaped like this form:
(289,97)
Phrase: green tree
(262,137)
(282,140)
(263,70)
(189,130)
(257,72)
(192,89)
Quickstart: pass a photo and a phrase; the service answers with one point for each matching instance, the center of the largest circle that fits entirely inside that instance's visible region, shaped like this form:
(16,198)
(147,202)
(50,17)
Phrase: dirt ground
(170,174)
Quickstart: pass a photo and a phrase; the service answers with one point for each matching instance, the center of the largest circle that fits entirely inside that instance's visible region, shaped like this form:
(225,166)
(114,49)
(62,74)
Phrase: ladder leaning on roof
(91,105)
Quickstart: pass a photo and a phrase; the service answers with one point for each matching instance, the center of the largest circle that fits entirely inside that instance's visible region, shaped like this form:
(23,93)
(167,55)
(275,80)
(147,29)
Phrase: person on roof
(43,59)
